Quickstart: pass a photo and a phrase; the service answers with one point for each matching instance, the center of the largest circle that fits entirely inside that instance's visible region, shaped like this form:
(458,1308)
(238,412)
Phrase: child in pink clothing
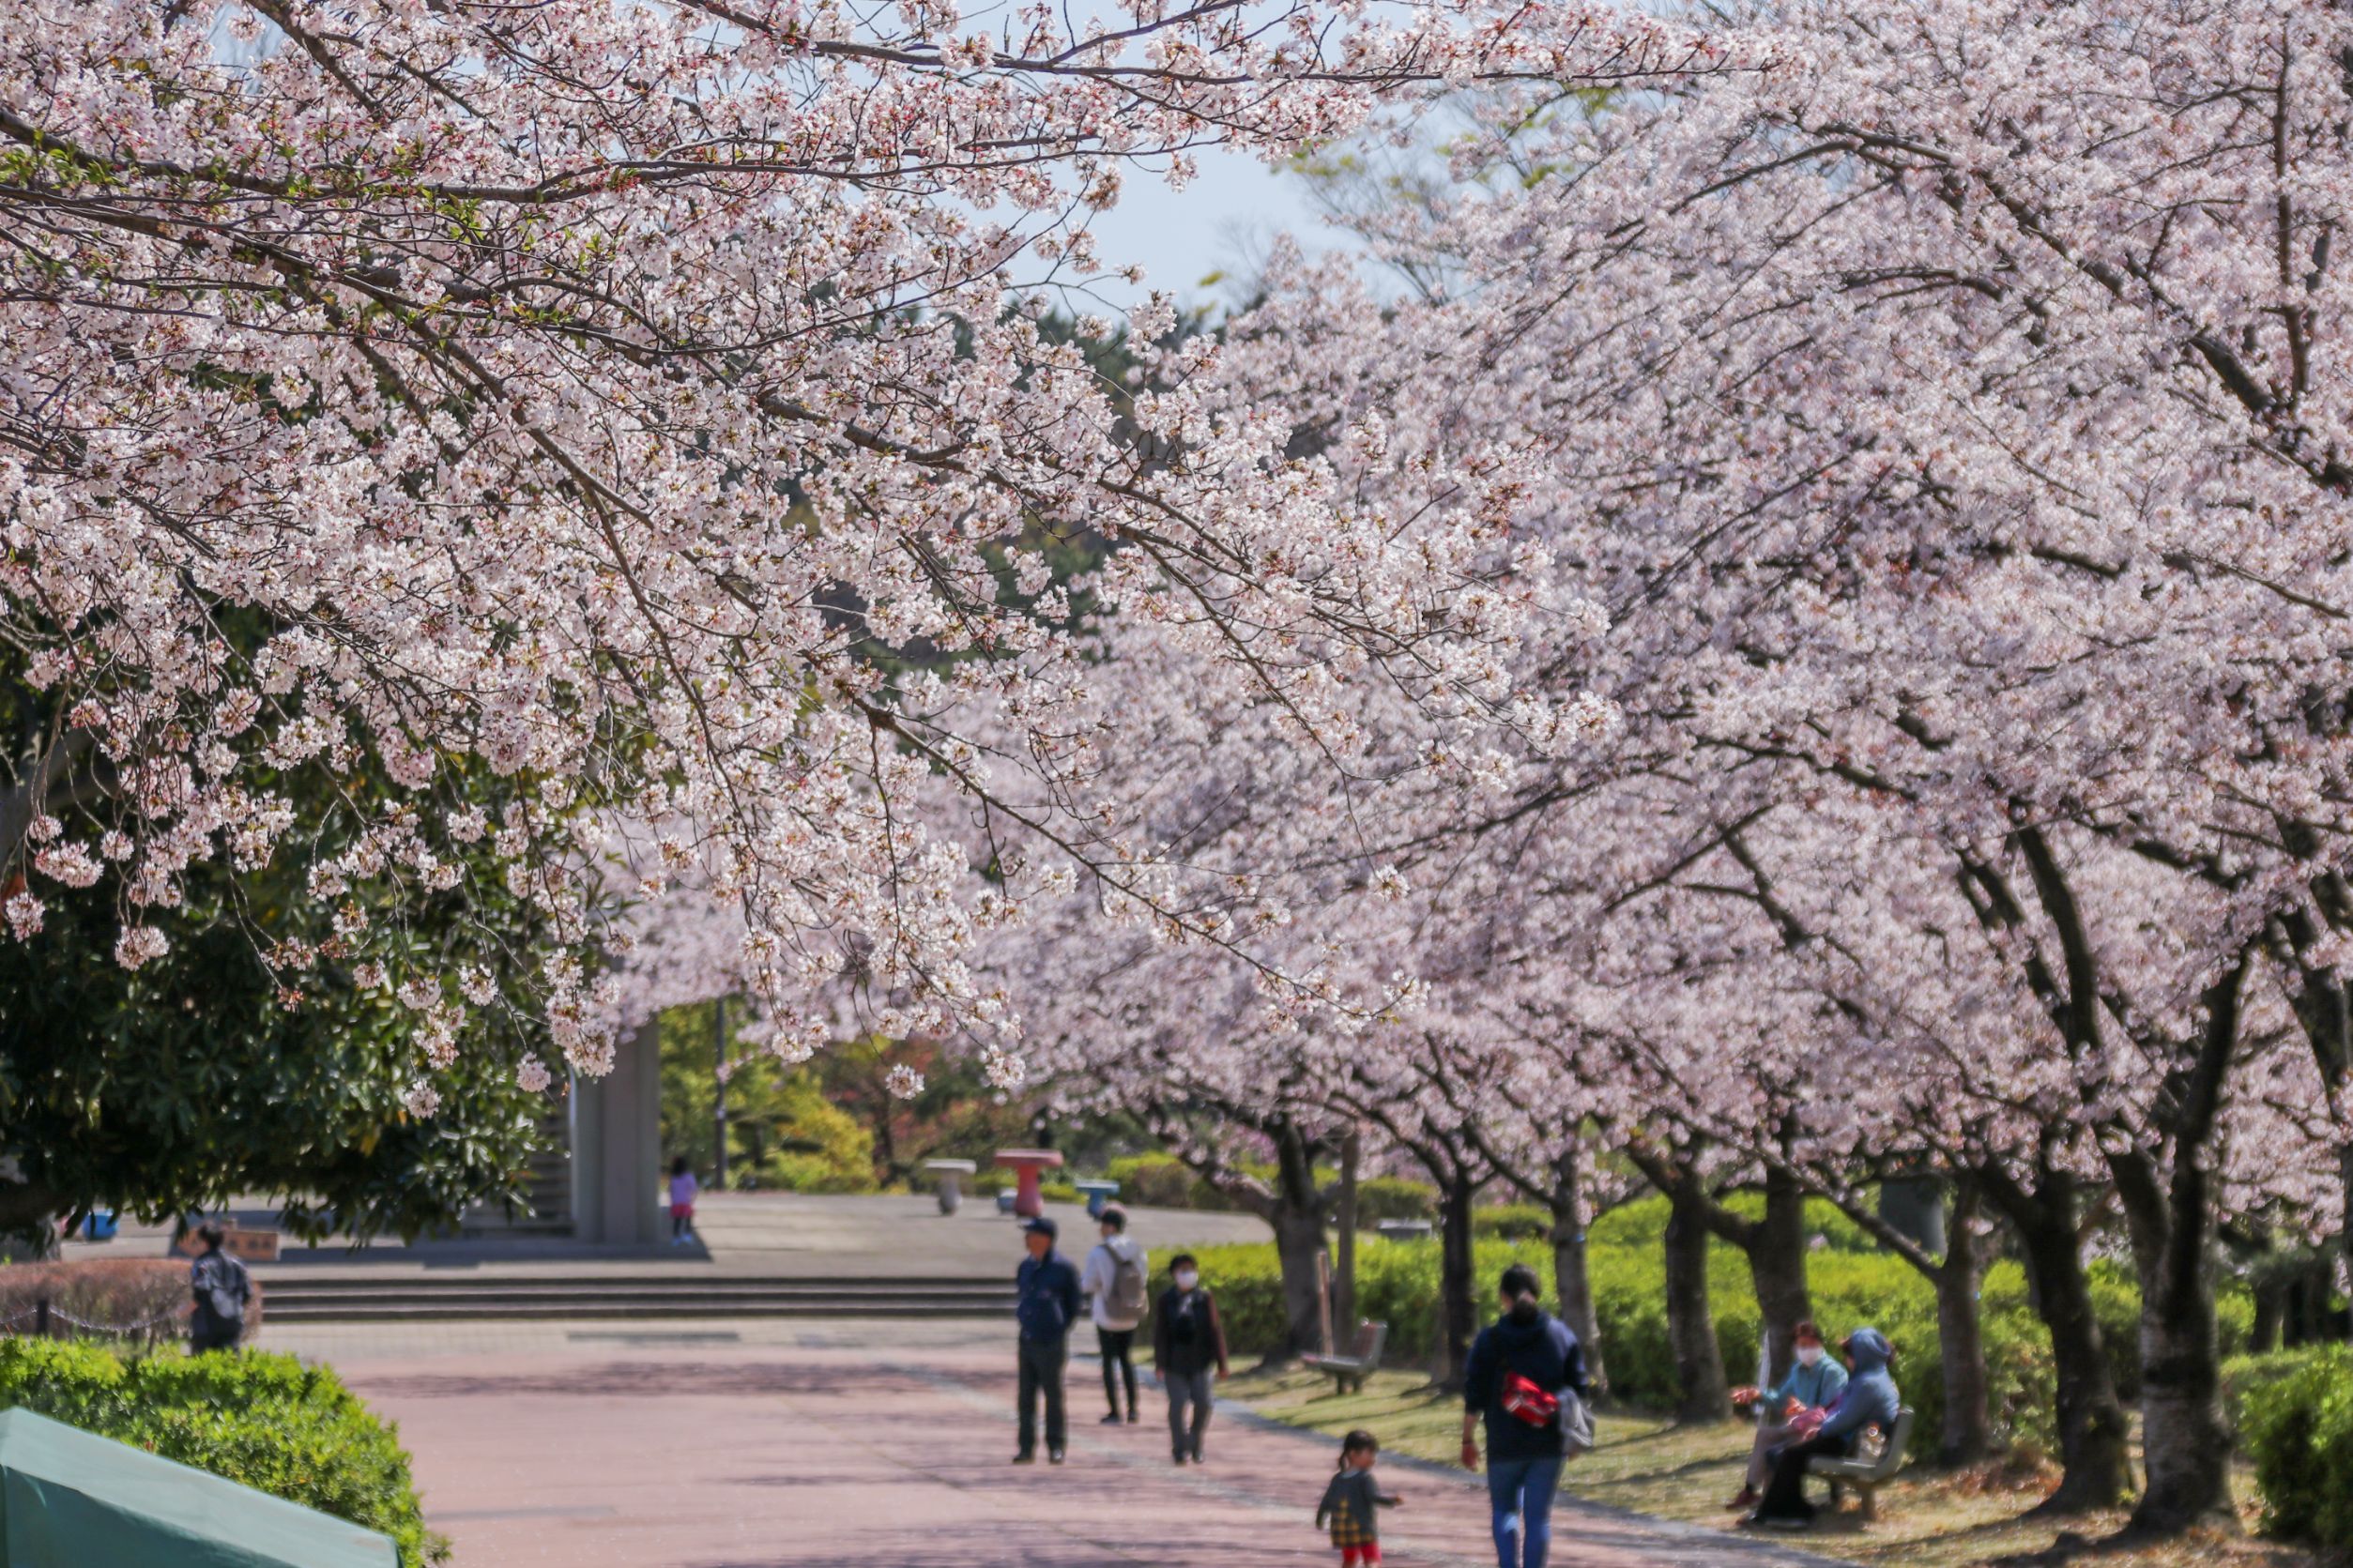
(682,1190)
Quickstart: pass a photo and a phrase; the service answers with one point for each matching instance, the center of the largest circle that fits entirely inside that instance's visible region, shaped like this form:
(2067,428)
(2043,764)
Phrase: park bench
(1868,1471)
(1362,1360)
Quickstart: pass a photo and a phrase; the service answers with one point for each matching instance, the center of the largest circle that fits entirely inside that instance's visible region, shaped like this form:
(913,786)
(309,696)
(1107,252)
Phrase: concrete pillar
(616,1146)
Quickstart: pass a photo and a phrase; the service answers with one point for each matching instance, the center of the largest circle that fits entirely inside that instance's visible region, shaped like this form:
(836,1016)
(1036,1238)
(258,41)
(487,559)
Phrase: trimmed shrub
(1514,1222)
(2244,1375)
(1164,1182)
(263,1420)
(2299,1430)
(1394,1198)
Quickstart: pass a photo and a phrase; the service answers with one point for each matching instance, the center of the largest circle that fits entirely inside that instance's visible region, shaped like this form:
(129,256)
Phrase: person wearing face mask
(1870,1399)
(1188,1344)
(1813,1382)
(1526,1379)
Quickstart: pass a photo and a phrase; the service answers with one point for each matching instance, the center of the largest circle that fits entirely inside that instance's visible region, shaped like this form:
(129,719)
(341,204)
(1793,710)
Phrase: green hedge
(1163,1182)
(1394,1198)
(2299,1429)
(264,1420)
(1514,1222)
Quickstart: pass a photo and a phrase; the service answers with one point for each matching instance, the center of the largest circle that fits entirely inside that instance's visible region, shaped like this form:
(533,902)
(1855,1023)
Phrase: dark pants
(1785,1498)
(1041,1363)
(211,1334)
(1118,1357)
(1192,1389)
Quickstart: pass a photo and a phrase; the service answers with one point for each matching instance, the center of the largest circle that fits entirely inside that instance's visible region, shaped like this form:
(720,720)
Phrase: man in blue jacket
(1869,1400)
(1046,1301)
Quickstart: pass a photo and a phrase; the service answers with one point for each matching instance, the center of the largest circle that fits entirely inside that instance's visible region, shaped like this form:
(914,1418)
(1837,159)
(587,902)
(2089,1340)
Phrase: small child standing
(682,1190)
(1352,1499)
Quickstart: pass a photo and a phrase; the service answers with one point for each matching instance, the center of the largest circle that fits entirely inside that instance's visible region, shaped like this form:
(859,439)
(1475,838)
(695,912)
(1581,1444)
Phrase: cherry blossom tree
(617,396)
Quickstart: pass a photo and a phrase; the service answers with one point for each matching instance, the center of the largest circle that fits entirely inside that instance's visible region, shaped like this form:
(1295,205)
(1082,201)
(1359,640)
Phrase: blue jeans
(1521,1491)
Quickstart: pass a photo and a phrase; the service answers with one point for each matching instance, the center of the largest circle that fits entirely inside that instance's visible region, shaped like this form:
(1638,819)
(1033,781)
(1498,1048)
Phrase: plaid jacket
(1351,1503)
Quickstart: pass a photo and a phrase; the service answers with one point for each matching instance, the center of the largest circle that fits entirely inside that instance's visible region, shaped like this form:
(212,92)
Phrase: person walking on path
(683,1188)
(1113,1283)
(1870,1399)
(1188,1344)
(1526,1379)
(221,1288)
(1353,1500)
(1814,1383)
(1045,1302)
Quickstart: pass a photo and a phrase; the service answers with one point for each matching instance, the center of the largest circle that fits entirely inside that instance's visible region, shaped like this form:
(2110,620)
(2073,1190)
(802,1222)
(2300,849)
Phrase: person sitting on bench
(1869,1400)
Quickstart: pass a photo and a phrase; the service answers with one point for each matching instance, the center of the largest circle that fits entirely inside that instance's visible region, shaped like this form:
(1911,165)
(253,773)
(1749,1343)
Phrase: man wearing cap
(1046,1301)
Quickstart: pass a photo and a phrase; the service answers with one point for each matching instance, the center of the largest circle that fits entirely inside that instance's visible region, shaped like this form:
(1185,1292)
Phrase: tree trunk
(1344,1273)
(1702,1394)
(1298,1221)
(1455,1308)
(2185,1441)
(1777,1262)
(2170,1212)
(1968,1436)
(2090,1417)
(1299,1244)
(2270,1310)
(2345,1237)
(1571,1283)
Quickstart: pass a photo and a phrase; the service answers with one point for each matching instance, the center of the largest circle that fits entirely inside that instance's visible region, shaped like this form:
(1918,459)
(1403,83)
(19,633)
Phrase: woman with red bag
(1526,1380)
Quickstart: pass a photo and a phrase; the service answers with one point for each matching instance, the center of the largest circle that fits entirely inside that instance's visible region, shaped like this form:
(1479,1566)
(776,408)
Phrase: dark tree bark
(2185,1441)
(2095,1467)
(1968,1436)
(1702,1394)
(1297,1217)
(1774,1245)
(1457,1290)
(1777,1262)
(1572,1285)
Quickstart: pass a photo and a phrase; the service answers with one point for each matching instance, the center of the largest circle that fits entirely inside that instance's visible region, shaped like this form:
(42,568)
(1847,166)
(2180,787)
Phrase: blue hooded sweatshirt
(1871,1398)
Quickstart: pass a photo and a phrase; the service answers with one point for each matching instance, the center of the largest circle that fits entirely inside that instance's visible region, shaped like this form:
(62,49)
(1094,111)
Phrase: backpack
(1128,1287)
(224,1287)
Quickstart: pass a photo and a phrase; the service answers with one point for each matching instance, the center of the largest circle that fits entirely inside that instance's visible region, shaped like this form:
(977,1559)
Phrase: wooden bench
(1866,1471)
(1362,1360)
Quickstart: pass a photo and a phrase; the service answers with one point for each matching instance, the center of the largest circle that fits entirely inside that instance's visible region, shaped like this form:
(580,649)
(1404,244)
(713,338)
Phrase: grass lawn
(1649,1466)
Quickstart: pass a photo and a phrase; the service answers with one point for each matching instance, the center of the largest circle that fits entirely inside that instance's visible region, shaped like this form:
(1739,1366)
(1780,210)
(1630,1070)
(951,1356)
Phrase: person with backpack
(221,1288)
(1113,1283)
(1188,1343)
(1046,1301)
(1526,1381)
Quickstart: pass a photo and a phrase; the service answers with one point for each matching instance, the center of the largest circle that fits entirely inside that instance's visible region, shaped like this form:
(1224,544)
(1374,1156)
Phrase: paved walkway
(812,1444)
(769,1235)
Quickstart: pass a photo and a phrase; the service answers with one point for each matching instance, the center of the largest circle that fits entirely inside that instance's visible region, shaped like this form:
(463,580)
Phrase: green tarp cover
(70,1499)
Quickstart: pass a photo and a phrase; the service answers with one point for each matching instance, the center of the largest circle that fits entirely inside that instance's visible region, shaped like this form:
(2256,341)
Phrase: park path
(785,1445)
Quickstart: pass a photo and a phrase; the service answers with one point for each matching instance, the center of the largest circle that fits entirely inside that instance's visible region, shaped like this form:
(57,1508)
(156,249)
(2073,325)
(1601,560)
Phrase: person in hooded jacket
(1870,1399)
(1524,1460)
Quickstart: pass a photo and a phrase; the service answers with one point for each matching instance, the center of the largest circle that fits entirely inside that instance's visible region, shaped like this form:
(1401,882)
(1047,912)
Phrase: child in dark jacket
(1351,1503)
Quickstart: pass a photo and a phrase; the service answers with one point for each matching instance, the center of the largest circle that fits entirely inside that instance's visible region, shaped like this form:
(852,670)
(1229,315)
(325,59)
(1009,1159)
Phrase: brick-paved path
(823,1444)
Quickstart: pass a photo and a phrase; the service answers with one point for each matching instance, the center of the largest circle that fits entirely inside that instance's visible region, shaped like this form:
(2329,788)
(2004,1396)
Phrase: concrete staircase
(440,1297)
